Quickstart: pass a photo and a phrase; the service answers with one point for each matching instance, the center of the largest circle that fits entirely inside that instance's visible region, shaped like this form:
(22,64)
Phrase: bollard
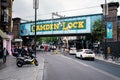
(108,50)
(56,51)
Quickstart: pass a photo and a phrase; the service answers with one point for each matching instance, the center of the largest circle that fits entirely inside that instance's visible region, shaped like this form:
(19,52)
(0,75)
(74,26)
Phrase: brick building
(111,16)
(119,27)
(16,37)
(5,15)
(6,23)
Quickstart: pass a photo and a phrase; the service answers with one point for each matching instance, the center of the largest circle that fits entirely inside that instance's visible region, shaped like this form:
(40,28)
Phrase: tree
(98,30)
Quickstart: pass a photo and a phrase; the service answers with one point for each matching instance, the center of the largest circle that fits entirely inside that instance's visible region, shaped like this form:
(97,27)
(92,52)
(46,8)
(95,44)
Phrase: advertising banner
(109,30)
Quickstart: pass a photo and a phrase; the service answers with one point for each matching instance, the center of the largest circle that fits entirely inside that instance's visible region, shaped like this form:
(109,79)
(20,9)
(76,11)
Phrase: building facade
(110,18)
(6,15)
(119,27)
(6,23)
(16,37)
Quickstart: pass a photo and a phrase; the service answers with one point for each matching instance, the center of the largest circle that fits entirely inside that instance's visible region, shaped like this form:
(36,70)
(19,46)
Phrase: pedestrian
(16,51)
(12,49)
(23,51)
(30,52)
(5,54)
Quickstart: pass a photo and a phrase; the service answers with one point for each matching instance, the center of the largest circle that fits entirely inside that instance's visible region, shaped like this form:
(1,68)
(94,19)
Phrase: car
(85,53)
(42,48)
(72,50)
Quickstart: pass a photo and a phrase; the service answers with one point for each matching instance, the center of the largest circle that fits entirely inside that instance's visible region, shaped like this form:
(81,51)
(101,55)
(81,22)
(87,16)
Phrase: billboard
(109,30)
(70,25)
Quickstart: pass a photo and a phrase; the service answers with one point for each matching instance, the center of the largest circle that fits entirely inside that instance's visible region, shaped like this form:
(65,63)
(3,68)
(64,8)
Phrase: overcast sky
(24,8)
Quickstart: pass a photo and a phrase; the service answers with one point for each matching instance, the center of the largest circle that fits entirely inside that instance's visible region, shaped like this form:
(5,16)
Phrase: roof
(111,4)
(3,35)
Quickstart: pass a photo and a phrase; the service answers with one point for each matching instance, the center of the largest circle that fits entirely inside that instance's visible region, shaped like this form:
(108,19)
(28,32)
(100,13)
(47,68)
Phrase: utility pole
(105,15)
(10,12)
(105,36)
(56,14)
(35,6)
(0,14)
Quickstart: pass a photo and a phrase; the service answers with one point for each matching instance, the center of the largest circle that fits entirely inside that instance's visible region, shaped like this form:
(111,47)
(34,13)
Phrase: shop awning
(3,35)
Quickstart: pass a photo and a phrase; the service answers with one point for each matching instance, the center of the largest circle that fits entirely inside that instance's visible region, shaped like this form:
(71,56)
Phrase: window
(5,15)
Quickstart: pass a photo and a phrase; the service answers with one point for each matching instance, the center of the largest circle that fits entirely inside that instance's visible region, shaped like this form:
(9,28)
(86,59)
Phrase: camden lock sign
(70,25)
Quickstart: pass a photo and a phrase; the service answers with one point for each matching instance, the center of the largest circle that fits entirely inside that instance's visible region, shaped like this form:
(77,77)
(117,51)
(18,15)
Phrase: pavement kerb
(40,71)
(100,57)
(109,60)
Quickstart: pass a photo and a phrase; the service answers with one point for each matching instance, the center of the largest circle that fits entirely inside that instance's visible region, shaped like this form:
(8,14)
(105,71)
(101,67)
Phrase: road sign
(35,4)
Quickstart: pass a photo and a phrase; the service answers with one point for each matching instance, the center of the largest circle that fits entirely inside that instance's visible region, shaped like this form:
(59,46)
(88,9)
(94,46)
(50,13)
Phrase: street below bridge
(61,66)
(67,67)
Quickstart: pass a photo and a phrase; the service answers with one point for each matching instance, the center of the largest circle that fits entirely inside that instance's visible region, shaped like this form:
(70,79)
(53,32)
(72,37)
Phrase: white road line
(98,70)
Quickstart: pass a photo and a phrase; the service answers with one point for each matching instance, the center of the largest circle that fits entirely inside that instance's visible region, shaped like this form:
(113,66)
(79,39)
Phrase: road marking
(98,70)
(76,61)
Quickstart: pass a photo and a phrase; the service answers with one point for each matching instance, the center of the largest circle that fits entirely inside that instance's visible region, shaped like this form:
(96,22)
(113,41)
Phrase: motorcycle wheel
(19,64)
(36,62)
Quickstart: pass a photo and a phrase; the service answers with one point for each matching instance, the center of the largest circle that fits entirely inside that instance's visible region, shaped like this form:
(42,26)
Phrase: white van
(72,50)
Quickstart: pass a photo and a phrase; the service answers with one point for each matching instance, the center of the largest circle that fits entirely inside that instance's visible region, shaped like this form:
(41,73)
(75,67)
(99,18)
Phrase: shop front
(4,42)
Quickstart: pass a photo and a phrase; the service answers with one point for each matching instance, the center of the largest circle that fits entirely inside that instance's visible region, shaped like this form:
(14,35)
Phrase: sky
(24,8)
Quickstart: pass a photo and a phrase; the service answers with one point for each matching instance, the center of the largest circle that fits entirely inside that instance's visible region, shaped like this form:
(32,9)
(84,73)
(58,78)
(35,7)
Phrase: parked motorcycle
(26,60)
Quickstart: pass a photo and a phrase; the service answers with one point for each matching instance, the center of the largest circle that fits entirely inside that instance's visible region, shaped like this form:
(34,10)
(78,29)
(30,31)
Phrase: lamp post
(105,36)
(35,6)
(105,6)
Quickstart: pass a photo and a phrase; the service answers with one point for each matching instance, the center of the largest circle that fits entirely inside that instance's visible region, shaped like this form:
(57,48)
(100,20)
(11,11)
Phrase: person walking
(23,51)
(30,52)
(5,54)
(16,53)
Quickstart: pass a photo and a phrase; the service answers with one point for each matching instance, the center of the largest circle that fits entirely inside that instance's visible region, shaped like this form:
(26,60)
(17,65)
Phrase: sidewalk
(27,72)
(100,57)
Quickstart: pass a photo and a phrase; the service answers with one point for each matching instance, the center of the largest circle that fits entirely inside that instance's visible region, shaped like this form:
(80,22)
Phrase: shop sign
(65,25)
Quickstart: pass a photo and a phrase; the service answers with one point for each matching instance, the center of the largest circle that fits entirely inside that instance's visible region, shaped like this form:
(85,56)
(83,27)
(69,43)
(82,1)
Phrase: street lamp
(105,6)
(35,6)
